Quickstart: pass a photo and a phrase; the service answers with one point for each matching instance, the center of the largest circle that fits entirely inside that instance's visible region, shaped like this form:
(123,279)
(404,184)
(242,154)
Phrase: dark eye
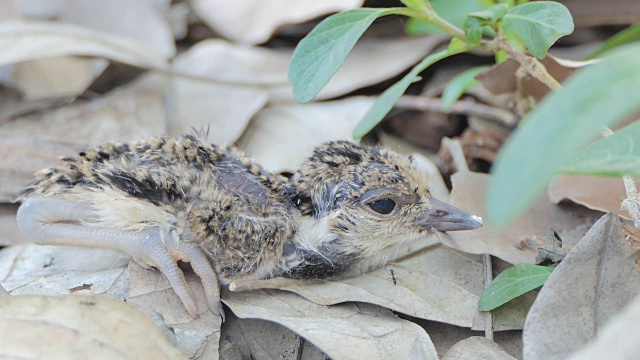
(383,206)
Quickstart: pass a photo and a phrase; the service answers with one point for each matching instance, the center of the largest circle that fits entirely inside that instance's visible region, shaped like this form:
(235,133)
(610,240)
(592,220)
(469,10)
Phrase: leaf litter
(417,285)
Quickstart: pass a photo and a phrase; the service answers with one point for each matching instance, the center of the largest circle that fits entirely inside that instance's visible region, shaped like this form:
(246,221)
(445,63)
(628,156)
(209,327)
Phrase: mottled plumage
(164,200)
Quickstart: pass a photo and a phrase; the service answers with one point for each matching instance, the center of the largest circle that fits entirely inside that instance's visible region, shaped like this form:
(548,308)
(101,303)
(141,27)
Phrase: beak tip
(478,221)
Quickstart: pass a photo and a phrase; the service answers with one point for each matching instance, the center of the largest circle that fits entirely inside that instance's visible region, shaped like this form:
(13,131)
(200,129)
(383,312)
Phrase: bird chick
(164,200)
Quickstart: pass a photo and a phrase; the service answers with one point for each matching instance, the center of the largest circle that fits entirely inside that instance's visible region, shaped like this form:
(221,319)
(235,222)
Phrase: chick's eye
(383,206)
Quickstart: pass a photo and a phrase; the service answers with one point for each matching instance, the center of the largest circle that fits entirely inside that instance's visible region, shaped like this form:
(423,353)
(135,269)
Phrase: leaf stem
(532,65)
(428,15)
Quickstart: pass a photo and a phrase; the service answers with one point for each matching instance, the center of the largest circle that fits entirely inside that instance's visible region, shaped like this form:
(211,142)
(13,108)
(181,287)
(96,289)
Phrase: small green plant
(550,140)
(489,25)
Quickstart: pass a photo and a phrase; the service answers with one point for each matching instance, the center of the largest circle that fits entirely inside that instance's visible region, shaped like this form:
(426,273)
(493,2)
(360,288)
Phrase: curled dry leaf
(594,282)
(84,327)
(31,40)
(254,21)
(148,26)
(477,347)
(618,339)
(424,284)
(282,137)
(35,141)
(346,331)
(468,193)
(595,192)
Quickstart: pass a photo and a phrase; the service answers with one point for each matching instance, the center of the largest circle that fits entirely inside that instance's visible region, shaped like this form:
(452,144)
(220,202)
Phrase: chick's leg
(58,222)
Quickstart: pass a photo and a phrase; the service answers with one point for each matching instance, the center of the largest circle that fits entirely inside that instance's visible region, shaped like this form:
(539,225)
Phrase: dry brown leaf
(594,282)
(345,331)
(282,137)
(31,40)
(142,20)
(254,21)
(595,192)
(468,193)
(501,78)
(477,348)
(618,339)
(39,327)
(35,141)
(152,294)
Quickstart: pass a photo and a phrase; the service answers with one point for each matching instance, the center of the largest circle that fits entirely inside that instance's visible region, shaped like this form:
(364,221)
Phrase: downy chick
(163,200)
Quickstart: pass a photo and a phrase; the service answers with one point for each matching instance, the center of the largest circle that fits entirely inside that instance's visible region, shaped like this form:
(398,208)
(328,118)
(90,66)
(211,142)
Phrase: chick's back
(234,209)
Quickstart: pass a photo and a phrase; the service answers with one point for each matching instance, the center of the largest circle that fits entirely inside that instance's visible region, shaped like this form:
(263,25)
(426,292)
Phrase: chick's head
(371,198)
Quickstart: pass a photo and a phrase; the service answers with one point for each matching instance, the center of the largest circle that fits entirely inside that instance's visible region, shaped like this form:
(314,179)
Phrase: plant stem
(532,65)
(426,103)
(488,278)
(430,16)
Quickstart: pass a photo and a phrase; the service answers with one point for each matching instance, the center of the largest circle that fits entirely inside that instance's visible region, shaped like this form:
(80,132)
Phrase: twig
(460,162)
(630,205)
(426,103)
(532,65)
(488,278)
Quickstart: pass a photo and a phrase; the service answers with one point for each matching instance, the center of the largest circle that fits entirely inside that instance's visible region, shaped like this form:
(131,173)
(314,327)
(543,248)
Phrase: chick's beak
(444,217)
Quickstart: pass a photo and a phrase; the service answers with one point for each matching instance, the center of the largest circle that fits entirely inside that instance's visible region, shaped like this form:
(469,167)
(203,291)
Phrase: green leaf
(454,12)
(492,14)
(616,155)
(511,283)
(384,103)
(473,30)
(539,24)
(459,84)
(599,95)
(415,4)
(321,53)
(628,35)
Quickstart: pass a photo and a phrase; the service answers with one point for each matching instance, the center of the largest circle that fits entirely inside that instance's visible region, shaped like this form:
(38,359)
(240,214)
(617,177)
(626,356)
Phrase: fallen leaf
(595,281)
(266,69)
(58,77)
(223,108)
(501,78)
(59,270)
(143,21)
(32,40)
(282,137)
(618,339)
(152,294)
(253,22)
(84,327)
(263,340)
(477,348)
(594,192)
(468,193)
(35,141)
(345,331)
(53,270)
